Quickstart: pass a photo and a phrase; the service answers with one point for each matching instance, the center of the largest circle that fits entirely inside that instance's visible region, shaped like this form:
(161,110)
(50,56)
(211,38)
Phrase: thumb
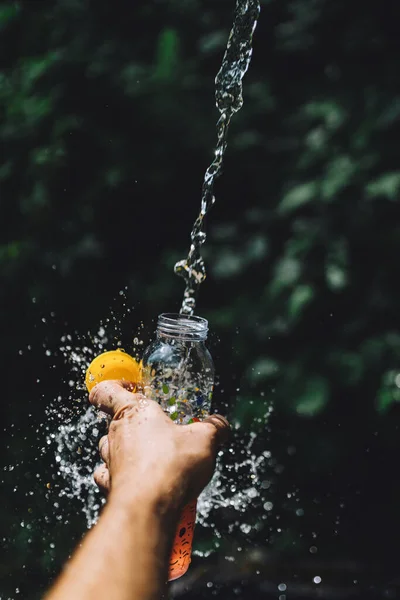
(222,426)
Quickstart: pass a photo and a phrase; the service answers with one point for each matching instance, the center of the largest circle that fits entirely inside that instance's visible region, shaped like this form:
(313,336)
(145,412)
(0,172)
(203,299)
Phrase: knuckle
(113,426)
(98,391)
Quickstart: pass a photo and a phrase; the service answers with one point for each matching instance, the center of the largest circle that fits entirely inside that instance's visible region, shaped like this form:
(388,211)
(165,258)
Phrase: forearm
(124,557)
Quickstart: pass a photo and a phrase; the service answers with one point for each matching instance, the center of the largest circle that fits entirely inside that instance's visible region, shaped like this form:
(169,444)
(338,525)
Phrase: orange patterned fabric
(182,547)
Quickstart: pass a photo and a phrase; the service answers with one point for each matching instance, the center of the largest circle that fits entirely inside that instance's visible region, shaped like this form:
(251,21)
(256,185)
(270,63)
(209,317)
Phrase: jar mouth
(184,327)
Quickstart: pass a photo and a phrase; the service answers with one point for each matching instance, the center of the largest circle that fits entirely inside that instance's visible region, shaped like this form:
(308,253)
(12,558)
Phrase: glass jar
(178,371)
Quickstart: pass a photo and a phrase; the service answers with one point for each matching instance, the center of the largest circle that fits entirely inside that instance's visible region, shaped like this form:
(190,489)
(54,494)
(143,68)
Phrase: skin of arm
(151,469)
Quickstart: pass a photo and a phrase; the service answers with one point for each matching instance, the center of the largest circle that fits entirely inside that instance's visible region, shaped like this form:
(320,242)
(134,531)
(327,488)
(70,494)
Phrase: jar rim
(184,327)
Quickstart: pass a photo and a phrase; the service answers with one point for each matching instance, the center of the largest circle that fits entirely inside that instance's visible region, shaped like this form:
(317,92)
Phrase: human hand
(145,449)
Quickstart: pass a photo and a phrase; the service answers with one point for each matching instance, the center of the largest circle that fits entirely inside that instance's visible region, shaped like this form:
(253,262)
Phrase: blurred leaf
(349,365)
(37,200)
(6,169)
(372,350)
(250,411)
(213,42)
(113,176)
(316,139)
(228,264)
(297,197)
(8,12)
(384,401)
(338,175)
(387,185)
(329,111)
(287,272)
(33,68)
(263,368)
(256,249)
(389,392)
(390,114)
(167,55)
(10,251)
(300,298)
(225,231)
(314,398)
(336,277)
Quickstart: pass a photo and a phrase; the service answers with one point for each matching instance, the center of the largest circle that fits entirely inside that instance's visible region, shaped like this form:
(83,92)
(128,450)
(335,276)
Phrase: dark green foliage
(107,122)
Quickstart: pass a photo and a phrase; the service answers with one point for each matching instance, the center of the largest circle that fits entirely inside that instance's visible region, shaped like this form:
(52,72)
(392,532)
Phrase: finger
(222,427)
(102,479)
(110,396)
(132,387)
(104,449)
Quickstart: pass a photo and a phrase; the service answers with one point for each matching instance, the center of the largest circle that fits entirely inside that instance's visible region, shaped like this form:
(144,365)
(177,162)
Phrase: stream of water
(229,99)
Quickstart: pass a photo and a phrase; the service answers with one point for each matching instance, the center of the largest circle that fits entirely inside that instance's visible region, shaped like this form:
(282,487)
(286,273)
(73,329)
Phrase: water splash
(229,99)
(76,459)
(74,434)
(223,493)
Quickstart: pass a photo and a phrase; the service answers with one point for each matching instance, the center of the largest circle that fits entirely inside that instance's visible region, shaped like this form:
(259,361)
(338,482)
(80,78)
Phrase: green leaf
(387,185)
(332,114)
(256,249)
(300,298)
(113,176)
(336,277)
(286,272)
(314,399)
(8,12)
(348,365)
(338,175)
(389,392)
(264,368)
(167,55)
(10,251)
(6,169)
(385,398)
(228,264)
(249,410)
(298,196)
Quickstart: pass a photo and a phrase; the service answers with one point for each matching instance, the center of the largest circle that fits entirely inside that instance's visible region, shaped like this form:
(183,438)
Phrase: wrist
(135,494)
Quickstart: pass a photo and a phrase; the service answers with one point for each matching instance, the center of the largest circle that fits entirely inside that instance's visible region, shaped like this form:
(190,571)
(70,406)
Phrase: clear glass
(178,372)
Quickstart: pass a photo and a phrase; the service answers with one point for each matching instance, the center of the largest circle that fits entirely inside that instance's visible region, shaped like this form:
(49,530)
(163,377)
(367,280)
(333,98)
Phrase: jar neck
(174,326)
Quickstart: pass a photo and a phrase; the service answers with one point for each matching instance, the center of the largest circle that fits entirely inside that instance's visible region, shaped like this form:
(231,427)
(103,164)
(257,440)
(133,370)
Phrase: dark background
(107,123)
